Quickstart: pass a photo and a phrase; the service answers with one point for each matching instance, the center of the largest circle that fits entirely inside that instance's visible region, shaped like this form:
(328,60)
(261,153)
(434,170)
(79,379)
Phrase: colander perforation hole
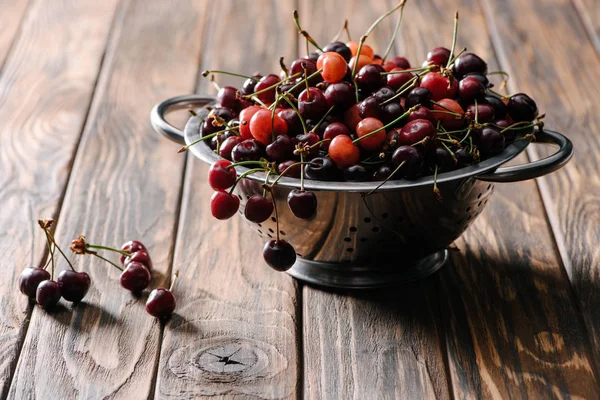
(247,197)
(282,232)
(367,220)
(347,239)
(273,219)
(363,239)
(479,204)
(489,186)
(299,255)
(479,195)
(349,249)
(259,231)
(353,229)
(271,230)
(269,235)
(468,209)
(260,225)
(240,196)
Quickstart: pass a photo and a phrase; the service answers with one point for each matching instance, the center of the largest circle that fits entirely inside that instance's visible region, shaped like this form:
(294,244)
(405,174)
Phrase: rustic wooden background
(515,314)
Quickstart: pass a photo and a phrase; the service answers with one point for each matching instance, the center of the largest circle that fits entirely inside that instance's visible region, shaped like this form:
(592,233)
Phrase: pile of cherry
(39,284)
(344,113)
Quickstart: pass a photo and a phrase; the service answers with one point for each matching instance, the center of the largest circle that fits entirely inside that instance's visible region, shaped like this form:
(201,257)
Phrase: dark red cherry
(521,107)
(248,150)
(219,176)
(417,96)
(312,103)
(496,102)
(218,140)
(208,127)
(339,48)
(490,141)
(382,173)
(383,94)
(470,88)
(30,279)
(468,63)
(413,161)
(302,203)
(250,84)
(140,256)
(401,62)
(268,96)
(340,95)
(415,131)
(258,209)
(369,77)
(228,145)
(422,113)
(294,171)
(396,81)
(135,277)
(390,112)
(228,97)
(481,78)
(224,205)
(47,294)
(334,129)
(73,285)
(369,108)
(281,149)
(439,56)
(356,173)
(292,120)
(279,255)
(161,303)
(300,64)
(322,169)
(132,246)
(485,112)
(313,56)
(464,157)
(443,159)
(309,139)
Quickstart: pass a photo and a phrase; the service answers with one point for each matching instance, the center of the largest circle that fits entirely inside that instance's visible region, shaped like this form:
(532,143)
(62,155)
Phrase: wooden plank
(46,87)
(125,184)
(230,301)
(512,328)
(538,65)
(384,344)
(589,12)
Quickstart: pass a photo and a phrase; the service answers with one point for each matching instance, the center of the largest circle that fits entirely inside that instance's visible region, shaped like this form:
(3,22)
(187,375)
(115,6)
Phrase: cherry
(422,113)
(258,209)
(309,139)
(312,103)
(279,255)
(369,108)
(30,279)
(293,172)
(281,149)
(509,134)
(334,129)
(362,61)
(392,111)
(383,94)
(439,86)
(228,97)
(218,140)
(481,78)
(468,63)
(268,96)
(396,81)
(352,118)
(490,141)
(366,50)
(334,66)
(470,88)
(245,116)
(401,62)
(340,95)
(339,48)
(343,152)
(369,77)
(47,294)
(224,205)
(160,303)
(464,157)
(265,125)
(221,112)
(301,64)
(443,159)
(250,84)
(450,121)
(73,285)
(322,169)
(228,145)
(485,112)
(302,203)
(248,150)
(496,102)
(388,66)
(292,120)
(219,176)
(140,256)
(135,277)
(372,142)
(313,56)
(521,107)
(438,56)
(356,173)
(382,173)
(416,131)
(413,161)
(131,247)
(418,95)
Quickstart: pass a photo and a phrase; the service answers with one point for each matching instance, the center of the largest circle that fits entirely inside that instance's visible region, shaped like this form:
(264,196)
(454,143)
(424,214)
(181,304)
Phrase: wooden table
(515,314)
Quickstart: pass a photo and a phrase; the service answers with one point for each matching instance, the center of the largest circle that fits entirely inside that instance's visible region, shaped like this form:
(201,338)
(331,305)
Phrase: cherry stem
(203,138)
(344,27)
(100,247)
(302,173)
(454,35)
(436,191)
(406,114)
(466,136)
(283,67)
(273,118)
(264,194)
(444,112)
(304,128)
(263,163)
(50,251)
(499,94)
(297,85)
(320,142)
(303,32)
(476,112)
(215,71)
(449,151)
(214,83)
(396,28)
(406,70)
(242,176)
(286,170)
(457,55)
(276,213)
(175,276)
(56,246)
(296,75)
(394,172)
(408,85)
(324,116)
(450,111)
(108,261)
(347,30)
(195,114)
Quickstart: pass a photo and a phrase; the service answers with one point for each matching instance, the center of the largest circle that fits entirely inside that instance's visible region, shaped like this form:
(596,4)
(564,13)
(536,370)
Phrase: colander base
(348,276)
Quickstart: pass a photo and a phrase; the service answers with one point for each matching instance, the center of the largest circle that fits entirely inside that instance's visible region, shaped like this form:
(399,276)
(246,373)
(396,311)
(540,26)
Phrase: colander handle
(157,115)
(537,168)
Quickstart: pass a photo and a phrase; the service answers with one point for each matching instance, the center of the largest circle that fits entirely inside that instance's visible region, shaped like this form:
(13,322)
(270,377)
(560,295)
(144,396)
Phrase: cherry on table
(219,176)
(224,205)
(258,209)
(47,294)
(322,169)
(140,256)
(131,247)
(161,303)
(73,285)
(30,279)
(302,203)
(135,277)
(279,255)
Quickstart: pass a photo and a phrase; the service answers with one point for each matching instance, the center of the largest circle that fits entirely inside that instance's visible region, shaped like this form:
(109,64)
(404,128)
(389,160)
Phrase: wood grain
(538,62)
(46,87)
(125,184)
(234,333)
(385,344)
(589,13)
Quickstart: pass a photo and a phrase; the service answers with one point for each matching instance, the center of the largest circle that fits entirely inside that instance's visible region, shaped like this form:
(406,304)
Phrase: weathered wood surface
(235,332)
(589,12)
(561,67)
(46,85)
(125,184)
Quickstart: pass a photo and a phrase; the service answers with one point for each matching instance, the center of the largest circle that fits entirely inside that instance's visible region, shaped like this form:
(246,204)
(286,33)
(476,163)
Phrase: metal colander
(397,234)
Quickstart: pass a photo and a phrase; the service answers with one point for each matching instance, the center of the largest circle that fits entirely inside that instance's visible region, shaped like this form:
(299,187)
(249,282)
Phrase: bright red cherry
(219,176)
(450,121)
(245,117)
(268,96)
(343,152)
(439,86)
(415,131)
(334,66)
(224,205)
(372,142)
(258,209)
(334,129)
(265,125)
